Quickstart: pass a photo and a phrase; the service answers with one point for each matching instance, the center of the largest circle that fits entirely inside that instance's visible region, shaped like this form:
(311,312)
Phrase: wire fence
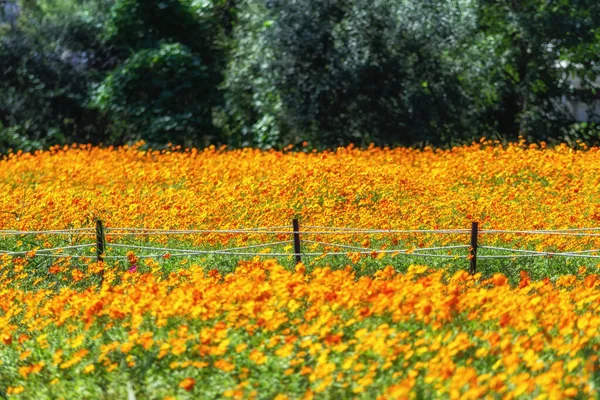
(469,252)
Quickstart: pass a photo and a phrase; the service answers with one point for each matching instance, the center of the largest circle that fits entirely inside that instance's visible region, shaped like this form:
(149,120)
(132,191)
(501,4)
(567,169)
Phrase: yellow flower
(77,341)
(258,357)
(6,339)
(15,390)
(224,365)
(89,368)
(126,347)
(24,355)
(241,347)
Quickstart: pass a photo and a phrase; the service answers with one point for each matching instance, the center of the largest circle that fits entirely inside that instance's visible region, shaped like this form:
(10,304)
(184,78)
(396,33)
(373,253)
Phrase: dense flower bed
(265,331)
(356,327)
(516,187)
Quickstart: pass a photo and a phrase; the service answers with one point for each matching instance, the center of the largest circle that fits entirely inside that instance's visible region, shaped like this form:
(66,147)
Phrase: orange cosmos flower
(7,339)
(499,280)
(187,384)
(224,365)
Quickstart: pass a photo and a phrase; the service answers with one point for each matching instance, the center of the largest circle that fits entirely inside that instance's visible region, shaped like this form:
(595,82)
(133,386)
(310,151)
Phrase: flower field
(513,188)
(379,325)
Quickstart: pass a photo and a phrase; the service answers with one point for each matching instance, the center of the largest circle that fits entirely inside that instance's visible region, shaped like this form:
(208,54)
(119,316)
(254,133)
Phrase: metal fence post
(473,250)
(100,247)
(100,240)
(296,226)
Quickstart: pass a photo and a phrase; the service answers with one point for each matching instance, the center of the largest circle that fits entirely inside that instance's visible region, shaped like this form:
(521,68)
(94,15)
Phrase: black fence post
(473,250)
(100,247)
(296,226)
(100,240)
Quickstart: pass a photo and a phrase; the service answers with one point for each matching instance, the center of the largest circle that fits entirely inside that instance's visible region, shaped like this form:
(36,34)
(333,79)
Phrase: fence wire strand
(197,251)
(40,251)
(311,230)
(79,232)
(343,246)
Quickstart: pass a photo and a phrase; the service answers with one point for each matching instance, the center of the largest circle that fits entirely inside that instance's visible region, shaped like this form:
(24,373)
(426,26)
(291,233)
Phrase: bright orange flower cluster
(265,329)
(175,329)
(513,187)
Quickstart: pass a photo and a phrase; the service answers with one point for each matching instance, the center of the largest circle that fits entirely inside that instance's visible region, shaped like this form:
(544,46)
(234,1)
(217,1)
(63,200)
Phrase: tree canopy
(269,73)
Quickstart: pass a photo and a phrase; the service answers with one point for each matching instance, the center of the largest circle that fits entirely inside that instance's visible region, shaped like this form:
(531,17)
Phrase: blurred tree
(157,95)
(166,85)
(142,24)
(49,58)
(408,72)
(538,46)
(349,71)
(252,112)
(268,73)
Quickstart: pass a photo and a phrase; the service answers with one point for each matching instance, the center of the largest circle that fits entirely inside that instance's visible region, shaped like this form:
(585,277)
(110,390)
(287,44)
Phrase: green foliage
(351,71)
(538,45)
(48,62)
(165,88)
(252,113)
(154,95)
(367,72)
(140,24)
(268,73)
